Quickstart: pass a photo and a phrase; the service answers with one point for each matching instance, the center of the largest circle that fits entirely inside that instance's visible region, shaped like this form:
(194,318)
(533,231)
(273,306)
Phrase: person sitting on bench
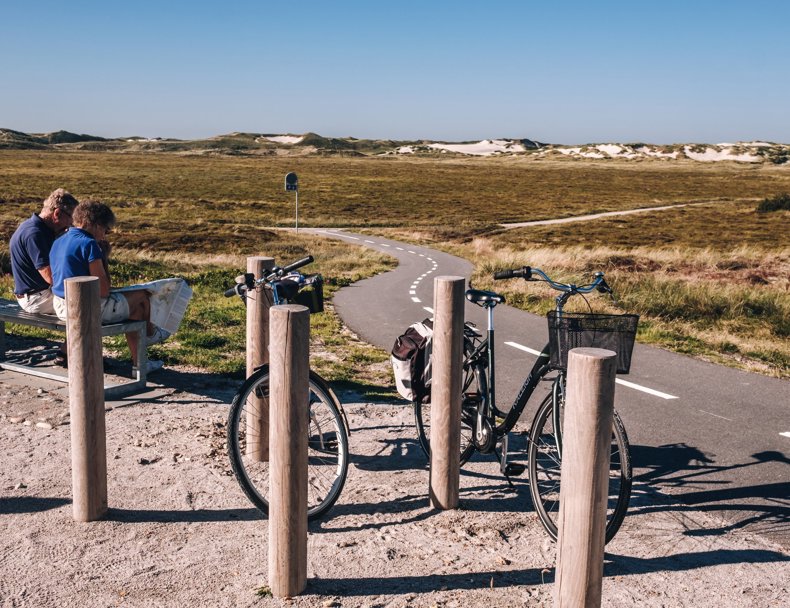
(30,247)
(78,254)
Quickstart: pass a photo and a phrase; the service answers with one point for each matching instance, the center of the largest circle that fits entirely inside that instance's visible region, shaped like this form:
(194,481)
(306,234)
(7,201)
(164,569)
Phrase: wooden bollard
(288,399)
(447,364)
(587,437)
(258,304)
(86,399)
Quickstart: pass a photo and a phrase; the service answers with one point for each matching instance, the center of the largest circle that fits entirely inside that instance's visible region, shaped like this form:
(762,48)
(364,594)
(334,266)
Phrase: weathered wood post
(288,397)
(258,304)
(587,437)
(86,399)
(447,364)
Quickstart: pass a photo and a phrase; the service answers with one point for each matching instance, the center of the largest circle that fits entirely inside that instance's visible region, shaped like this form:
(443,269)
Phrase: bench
(10,312)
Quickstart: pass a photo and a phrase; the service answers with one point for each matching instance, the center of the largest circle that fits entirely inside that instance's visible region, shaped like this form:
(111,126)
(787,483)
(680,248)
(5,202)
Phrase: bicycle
(328,428)
(486,429)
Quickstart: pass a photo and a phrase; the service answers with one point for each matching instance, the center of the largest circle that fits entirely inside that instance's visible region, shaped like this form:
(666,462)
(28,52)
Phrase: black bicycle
(328,429)
(486,429)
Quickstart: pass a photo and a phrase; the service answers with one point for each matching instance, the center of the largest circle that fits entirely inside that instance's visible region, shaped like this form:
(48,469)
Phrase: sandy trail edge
(181,533)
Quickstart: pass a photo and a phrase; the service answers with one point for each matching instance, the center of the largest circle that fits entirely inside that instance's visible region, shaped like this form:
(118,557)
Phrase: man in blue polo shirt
(30,246)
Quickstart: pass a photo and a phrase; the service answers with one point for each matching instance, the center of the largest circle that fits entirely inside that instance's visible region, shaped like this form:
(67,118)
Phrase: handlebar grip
(297,264)
(525,272)
(236,290)
(604,287)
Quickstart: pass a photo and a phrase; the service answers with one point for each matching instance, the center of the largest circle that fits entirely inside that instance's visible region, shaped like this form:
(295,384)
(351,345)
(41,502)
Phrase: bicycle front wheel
(544,472)
(327,444)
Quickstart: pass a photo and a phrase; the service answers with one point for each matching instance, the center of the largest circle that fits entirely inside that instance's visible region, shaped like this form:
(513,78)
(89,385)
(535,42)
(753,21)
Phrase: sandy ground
(181,533)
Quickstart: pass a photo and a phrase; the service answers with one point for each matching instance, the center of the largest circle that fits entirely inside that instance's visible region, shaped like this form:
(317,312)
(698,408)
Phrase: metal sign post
(292,183)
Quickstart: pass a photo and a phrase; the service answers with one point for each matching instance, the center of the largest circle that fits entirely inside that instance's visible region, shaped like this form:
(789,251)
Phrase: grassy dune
(388,191)
(710,280)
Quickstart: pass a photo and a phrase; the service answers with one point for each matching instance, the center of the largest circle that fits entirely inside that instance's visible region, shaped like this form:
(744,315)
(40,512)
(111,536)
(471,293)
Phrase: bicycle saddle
(484,298)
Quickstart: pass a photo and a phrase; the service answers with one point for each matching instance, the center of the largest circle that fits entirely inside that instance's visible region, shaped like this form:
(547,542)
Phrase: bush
(780,202)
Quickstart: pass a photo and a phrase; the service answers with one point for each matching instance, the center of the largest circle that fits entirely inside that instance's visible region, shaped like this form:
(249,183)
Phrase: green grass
(212,335)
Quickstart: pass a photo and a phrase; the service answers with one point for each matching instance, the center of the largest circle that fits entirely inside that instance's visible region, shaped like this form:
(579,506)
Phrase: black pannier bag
(311,293)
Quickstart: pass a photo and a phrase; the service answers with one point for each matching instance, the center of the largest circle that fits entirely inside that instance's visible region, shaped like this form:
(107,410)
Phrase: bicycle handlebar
(528,274)
(246,282)
(524,272)
(298,264)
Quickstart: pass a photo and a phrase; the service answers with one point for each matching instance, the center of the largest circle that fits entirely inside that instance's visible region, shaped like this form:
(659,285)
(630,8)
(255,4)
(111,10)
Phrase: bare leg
(131,340)
(139,310)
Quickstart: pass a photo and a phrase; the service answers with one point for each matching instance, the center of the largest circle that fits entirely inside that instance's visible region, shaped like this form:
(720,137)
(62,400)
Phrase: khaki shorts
(114,308)
(40,303)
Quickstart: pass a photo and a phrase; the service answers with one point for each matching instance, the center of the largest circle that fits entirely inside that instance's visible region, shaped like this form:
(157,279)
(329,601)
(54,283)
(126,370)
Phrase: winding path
(595,216)
(713,438)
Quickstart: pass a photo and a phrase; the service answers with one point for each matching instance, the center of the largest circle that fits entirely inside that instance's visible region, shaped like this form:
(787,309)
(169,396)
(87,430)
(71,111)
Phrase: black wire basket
(591,330)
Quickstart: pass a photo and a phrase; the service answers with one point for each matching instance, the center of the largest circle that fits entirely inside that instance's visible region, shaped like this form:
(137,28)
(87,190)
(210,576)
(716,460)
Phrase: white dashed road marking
(644,389)
(638,387)
(413,299)
(715,415)
(785,434)
(526,349)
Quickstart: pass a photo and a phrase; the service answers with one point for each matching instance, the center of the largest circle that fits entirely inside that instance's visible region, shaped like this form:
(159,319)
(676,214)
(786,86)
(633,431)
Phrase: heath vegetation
(708,279)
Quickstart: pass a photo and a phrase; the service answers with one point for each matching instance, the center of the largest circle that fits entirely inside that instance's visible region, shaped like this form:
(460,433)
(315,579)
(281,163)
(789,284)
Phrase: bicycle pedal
(514,469)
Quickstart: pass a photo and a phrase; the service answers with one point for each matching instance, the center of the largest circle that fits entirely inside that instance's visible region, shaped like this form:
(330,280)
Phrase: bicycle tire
(473,389)
(544,472)
(327,445)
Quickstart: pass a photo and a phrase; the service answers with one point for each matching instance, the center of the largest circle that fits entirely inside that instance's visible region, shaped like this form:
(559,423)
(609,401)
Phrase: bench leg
(141,372)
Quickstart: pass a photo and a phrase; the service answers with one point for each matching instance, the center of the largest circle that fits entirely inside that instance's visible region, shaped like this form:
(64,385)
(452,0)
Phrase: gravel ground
(181,533)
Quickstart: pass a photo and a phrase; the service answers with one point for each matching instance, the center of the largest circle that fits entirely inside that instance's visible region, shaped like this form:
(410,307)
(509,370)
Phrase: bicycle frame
(487,407)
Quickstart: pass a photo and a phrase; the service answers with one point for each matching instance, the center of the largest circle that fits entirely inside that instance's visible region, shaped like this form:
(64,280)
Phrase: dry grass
(465,193)
(710,280)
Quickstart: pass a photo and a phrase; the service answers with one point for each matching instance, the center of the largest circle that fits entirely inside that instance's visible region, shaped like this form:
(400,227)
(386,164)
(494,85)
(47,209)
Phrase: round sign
(291,181)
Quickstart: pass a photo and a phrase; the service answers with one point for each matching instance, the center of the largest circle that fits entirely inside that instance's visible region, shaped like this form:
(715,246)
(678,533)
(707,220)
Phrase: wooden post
(288,397)
(587,438)
(86,399)
(447,364)
(258,304)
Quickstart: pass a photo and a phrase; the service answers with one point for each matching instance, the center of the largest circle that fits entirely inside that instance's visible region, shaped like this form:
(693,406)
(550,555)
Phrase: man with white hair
(30,246)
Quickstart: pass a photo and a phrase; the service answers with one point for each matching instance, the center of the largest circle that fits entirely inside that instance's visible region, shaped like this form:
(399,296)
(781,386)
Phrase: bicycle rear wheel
(474,389)
(544,472)
(327,444)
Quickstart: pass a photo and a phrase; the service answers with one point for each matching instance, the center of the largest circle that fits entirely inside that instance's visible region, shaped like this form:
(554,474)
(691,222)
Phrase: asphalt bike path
(714,438)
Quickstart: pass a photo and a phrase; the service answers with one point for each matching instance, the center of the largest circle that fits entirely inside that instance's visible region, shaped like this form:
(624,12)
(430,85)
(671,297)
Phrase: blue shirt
(71,256)
(30,247)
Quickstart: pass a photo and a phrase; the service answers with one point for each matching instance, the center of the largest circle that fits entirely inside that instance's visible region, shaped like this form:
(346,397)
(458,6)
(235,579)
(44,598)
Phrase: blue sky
(561,72)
